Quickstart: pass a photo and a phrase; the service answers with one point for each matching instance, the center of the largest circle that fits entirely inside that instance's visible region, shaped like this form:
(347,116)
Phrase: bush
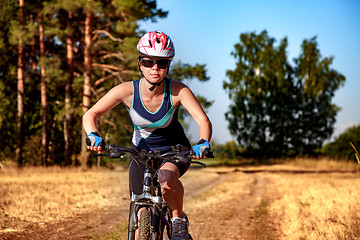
(341,147)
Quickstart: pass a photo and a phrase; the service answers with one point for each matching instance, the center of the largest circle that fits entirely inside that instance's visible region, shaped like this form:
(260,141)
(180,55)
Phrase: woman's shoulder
(123,93)
(124,86)
(123,89)
(177,85)
(179,90)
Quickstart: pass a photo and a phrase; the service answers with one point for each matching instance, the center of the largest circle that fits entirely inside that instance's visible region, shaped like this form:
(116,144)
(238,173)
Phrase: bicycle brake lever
(182,159)
(200,163)
(98,155)
(116,155)
(110,155)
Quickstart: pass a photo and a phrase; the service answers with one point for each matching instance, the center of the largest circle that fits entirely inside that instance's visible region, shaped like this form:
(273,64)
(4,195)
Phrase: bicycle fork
(151,202)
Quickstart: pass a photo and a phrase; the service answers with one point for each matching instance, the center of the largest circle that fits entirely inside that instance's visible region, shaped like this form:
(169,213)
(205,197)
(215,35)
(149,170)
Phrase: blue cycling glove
(95,140)
(201,148)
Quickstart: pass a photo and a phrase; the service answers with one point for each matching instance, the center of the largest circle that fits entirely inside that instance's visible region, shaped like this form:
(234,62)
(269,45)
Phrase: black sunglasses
(148,63)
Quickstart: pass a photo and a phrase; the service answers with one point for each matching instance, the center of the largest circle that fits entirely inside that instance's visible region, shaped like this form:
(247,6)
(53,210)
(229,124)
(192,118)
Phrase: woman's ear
(167,72)
(141,72)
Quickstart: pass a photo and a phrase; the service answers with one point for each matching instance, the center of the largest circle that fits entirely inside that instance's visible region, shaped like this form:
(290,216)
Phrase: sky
(205,32)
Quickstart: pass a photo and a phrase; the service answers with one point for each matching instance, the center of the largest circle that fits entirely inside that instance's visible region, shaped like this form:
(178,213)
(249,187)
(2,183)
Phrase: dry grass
(357,155)
(38,194)
(317,206)
(324,164)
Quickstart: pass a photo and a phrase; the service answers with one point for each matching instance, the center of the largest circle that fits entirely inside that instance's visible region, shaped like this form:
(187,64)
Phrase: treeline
(343,148)
(58,58)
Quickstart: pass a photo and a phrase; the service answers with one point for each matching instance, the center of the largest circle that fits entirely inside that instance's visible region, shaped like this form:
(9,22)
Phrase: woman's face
(154,69)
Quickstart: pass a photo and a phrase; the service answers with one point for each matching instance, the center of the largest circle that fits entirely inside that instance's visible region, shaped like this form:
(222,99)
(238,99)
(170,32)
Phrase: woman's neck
(146,88)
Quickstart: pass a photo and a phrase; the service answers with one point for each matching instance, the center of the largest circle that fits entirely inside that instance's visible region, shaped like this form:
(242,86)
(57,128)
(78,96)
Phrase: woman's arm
(118,94)
(182,94)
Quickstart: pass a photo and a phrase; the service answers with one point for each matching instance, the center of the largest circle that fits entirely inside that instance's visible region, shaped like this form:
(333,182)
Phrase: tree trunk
(68,138)
(87,82)
(33,49)
(20,93)
(44,137)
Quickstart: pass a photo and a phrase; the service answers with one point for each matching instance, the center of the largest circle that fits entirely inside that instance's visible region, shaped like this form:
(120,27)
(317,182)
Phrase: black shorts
(137,168)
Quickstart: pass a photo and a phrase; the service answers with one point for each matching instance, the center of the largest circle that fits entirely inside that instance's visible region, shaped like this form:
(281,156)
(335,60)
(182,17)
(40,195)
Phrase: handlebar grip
(209,154)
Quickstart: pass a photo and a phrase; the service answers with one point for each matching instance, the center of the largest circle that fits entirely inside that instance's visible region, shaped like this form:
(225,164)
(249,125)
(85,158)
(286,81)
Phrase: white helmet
(156,44)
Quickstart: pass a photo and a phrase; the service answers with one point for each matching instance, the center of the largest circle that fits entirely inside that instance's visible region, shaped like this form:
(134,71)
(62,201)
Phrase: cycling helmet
(156,44)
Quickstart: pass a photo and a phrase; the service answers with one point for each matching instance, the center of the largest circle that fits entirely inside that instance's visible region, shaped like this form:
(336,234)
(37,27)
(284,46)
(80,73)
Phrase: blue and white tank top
(156,130)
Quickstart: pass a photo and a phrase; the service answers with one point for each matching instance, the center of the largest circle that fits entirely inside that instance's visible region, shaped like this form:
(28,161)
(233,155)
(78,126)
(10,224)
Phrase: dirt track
(226,210)
(219,205)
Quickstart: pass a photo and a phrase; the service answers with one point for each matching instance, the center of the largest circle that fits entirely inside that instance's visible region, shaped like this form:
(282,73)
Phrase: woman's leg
(136,178)
(171,188)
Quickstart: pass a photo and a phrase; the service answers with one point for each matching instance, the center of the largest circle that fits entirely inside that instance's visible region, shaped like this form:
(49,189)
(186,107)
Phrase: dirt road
(225,211)
(219,204)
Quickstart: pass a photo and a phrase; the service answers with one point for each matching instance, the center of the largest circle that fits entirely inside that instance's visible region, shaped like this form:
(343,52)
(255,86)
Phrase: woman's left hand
(201,149)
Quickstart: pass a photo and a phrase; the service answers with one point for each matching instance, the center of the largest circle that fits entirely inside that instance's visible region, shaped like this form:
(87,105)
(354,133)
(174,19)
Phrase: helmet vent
(156,44)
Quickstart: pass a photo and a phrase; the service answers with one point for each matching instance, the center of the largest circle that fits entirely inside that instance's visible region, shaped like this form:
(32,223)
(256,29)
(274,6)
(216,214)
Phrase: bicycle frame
(151,199)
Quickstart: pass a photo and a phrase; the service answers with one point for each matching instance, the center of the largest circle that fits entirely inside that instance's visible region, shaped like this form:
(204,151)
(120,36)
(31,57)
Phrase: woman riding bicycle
(153,103)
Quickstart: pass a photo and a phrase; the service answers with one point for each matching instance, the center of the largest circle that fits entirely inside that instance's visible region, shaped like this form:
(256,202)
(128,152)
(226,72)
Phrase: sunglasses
(162,63)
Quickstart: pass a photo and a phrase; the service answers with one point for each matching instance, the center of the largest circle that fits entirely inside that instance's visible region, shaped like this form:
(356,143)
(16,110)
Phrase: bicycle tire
(131,223)
(145,225)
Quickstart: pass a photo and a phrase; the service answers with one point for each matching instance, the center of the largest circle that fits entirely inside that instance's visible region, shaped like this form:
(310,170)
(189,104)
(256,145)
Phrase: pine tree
(44,137)
(20,89)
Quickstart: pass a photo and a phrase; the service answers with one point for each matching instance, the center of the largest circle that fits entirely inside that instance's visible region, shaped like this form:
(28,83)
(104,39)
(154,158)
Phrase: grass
(357,155)
(120,232)
(320,201)
(261,222)
(216,162)
(307,205)
(44,195)
(317,206)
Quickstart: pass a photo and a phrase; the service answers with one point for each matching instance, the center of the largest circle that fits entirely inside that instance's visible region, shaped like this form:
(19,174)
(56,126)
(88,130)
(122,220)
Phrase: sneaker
(180,228)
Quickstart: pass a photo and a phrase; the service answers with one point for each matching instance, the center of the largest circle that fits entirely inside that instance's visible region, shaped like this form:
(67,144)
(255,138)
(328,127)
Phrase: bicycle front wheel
(145,225)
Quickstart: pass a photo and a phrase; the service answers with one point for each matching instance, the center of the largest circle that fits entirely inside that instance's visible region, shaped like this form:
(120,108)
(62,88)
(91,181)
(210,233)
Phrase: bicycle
(155,215)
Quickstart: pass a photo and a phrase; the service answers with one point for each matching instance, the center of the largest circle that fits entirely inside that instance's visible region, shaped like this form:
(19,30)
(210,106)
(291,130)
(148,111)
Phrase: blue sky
(205,32)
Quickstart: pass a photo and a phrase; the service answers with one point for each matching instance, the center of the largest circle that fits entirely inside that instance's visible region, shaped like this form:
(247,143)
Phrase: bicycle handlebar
(177,154)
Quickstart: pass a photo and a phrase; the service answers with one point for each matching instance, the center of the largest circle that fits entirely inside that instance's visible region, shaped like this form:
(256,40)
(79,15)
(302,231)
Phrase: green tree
(278,109)
(8,79)
(19,36)
(316,83)
(341,148)
(20,89)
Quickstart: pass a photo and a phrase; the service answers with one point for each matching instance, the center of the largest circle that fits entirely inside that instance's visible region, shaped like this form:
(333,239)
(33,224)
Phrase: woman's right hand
(94,142)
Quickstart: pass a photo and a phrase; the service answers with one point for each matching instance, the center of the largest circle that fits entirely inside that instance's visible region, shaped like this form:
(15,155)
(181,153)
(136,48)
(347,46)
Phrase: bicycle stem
(147,181)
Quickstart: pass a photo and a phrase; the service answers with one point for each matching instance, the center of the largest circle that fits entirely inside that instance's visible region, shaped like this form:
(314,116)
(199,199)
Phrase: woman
(153,102)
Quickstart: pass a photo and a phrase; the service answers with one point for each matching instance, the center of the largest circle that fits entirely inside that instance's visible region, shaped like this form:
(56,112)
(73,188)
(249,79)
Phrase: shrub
(341,148)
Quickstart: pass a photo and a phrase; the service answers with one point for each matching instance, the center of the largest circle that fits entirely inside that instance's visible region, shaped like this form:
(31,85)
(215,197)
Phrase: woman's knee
(167,179)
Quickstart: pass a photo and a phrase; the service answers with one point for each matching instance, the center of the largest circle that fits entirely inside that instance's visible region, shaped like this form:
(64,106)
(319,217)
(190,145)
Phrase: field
(302,199)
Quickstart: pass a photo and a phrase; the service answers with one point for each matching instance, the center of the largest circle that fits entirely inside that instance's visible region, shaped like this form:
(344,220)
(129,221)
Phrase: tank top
(156,130)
